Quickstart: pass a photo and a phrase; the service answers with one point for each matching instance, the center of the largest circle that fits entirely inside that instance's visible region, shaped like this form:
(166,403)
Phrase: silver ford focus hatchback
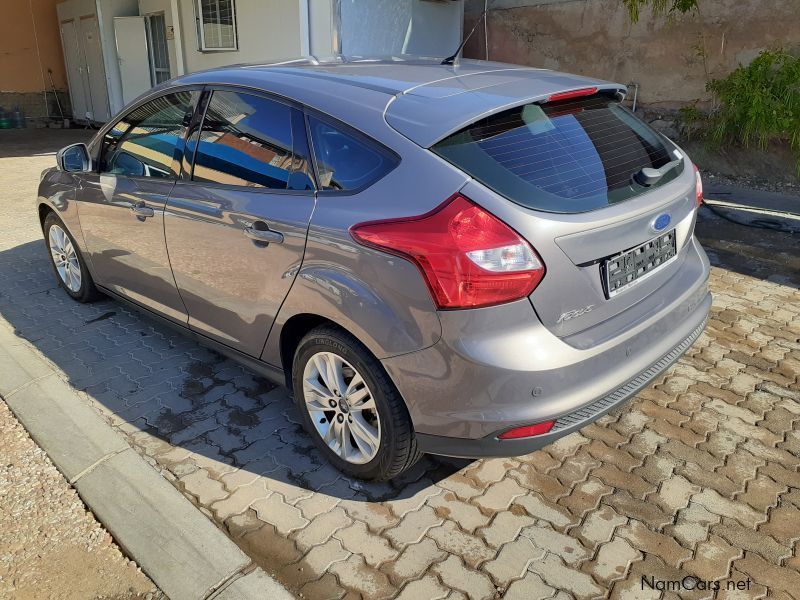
(469,260)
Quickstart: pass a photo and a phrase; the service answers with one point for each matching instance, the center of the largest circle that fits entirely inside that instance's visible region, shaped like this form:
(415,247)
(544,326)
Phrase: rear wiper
(648,176)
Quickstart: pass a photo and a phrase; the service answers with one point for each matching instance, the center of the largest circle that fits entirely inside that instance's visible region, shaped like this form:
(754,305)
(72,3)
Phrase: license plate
(630,267)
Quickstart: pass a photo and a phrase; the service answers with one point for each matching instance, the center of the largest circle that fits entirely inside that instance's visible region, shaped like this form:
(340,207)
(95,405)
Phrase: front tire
(68,262)
(350,408)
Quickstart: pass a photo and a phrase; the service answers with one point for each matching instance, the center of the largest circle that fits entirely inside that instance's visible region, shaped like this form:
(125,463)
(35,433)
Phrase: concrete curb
(171,540)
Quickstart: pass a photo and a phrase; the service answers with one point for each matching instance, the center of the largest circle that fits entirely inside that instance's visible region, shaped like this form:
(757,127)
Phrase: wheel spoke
(344,448)
(330,434)
(366,438)
(356,386)
(335,375)
(321,366)
(365,402)
(75,279)
(60,235)
(320,392)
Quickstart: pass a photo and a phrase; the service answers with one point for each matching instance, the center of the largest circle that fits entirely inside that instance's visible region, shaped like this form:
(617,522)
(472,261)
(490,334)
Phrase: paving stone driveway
(698,476)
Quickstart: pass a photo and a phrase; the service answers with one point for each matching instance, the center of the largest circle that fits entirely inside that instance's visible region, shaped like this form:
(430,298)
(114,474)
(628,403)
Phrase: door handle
(259,232)
(140,210)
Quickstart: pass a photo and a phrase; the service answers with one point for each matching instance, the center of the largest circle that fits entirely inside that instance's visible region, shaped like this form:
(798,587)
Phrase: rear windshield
(567,157)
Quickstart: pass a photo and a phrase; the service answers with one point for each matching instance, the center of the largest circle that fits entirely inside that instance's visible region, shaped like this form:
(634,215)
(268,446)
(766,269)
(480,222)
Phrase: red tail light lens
(527,431)
(698,185)
(469,257)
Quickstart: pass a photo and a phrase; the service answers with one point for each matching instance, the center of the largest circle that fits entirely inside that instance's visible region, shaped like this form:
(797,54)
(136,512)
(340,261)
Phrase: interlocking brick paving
(697,476)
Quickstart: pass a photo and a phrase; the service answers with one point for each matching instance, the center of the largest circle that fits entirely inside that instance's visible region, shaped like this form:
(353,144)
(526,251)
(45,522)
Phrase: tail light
(468,257)
(698,186)
(527,431)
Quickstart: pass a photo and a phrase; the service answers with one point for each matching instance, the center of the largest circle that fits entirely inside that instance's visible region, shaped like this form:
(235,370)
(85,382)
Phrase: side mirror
(74,158)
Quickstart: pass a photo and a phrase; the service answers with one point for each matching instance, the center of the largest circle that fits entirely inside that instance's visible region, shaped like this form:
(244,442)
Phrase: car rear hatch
(607,203)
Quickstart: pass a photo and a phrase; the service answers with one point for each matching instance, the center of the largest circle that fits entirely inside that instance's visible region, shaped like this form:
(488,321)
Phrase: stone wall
(36,108)
(670,59)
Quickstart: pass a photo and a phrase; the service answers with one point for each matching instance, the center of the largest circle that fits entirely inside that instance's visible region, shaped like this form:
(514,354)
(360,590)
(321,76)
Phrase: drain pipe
(635,87)
(336,27)
(177,38)
(305,29)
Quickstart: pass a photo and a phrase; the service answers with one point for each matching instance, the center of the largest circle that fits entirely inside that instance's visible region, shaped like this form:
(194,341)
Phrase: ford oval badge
(660,223)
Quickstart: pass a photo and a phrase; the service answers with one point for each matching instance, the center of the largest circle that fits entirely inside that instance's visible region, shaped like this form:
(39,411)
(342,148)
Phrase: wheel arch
(294,330)
(44,210)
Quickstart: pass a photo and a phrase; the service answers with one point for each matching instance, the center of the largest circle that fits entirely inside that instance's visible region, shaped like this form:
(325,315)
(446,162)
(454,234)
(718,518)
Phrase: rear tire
(67,261)
(364,430)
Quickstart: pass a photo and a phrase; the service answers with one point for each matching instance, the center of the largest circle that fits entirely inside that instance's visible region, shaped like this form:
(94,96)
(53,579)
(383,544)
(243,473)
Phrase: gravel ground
(752,183)
(50,545)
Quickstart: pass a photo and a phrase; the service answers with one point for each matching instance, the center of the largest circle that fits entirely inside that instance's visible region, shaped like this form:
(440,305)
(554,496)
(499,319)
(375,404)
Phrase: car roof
(419,97)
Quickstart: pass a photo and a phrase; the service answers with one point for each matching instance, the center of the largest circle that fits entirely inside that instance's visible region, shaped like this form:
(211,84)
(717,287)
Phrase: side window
(346,161)
(146,141)
(245,140)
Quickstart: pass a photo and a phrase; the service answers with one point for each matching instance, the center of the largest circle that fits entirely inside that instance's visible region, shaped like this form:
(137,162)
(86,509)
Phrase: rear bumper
(493,446)
(499,368)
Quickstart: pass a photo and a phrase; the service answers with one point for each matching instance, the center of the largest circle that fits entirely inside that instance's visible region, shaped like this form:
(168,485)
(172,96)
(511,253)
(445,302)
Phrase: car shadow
(753,251)
(23,143)
(183,404)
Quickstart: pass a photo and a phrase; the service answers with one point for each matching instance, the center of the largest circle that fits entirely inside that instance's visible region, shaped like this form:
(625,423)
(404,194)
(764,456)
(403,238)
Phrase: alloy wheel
(342,407)
(65,258)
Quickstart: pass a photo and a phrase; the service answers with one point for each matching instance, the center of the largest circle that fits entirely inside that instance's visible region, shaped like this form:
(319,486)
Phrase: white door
(134,61)
(96,72)
(76,70)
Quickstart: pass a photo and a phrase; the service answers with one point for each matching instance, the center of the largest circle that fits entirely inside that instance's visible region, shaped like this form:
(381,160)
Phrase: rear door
(570,169)
(236,223)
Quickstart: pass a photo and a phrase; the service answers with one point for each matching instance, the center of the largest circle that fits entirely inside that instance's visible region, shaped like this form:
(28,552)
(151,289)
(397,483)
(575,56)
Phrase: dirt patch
(50,545)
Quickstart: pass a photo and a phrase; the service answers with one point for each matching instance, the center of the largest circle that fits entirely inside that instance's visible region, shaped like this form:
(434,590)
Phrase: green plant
(691,120)
(659,7)
(760,102)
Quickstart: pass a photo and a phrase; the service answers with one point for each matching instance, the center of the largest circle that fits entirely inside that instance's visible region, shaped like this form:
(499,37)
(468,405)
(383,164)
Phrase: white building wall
(268,30)
(105,10)
(393,27)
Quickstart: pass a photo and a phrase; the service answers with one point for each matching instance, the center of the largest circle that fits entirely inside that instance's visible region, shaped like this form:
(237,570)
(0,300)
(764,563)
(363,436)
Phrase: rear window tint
(567,157)
(345,161)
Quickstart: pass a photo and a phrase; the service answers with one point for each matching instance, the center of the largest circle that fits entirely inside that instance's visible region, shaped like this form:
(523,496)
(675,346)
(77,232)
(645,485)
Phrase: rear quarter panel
(382,299)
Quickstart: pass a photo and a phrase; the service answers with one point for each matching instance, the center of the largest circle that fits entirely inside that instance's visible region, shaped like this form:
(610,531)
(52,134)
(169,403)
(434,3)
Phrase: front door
(236,226)
(122,205)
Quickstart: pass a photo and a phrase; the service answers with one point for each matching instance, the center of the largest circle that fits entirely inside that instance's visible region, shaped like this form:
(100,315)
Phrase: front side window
(146,141)
(216,24)
(344,161)
(246,140)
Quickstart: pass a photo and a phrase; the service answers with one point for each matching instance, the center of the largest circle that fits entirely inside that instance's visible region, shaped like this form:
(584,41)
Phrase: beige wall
(268,31)
(595,37)
(30,43)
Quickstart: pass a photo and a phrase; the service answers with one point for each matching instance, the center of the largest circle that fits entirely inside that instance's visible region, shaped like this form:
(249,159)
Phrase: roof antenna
(453,58)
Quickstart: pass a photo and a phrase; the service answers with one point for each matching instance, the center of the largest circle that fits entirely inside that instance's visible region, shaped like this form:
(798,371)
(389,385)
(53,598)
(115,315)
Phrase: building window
(216,25)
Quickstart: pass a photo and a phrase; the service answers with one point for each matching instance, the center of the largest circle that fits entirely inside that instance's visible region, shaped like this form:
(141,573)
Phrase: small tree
(659,7)
(760,102)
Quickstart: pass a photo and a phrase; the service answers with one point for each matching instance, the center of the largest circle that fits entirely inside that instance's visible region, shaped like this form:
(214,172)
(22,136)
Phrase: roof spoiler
(427,120)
